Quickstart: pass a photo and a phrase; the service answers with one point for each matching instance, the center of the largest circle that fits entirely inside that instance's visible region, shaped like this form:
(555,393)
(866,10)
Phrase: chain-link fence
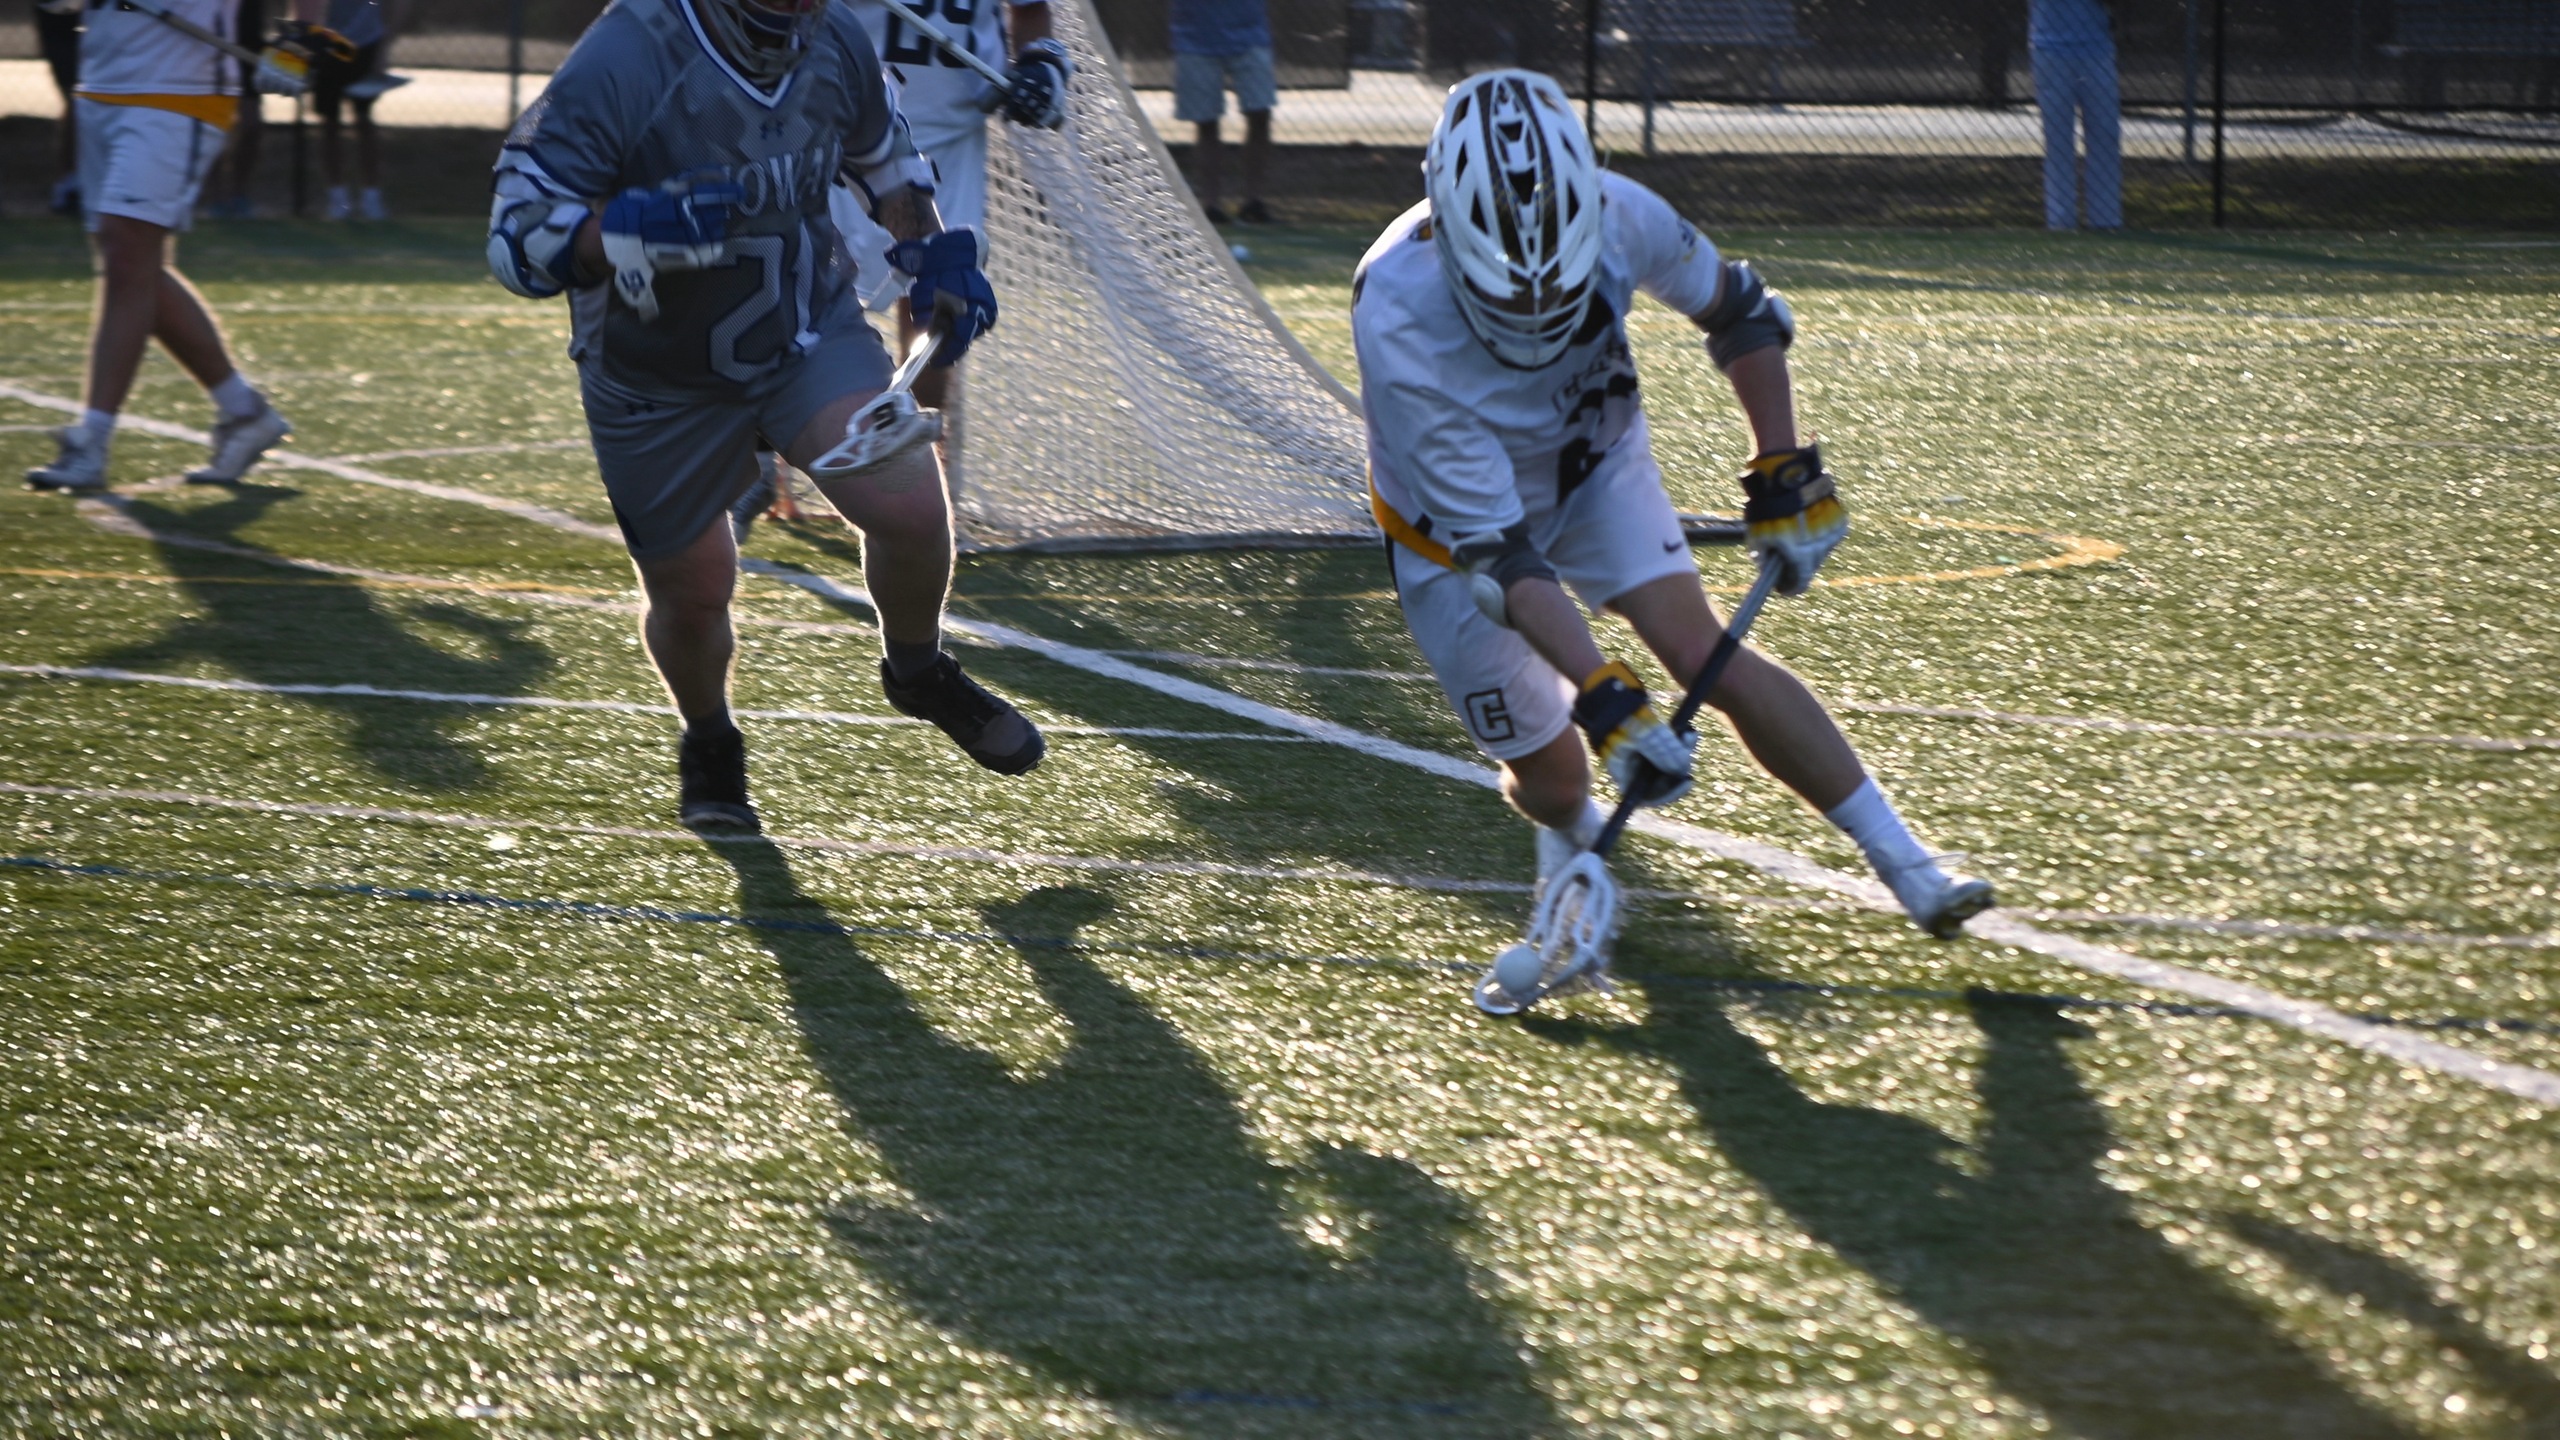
(2337,113)
(2347,113)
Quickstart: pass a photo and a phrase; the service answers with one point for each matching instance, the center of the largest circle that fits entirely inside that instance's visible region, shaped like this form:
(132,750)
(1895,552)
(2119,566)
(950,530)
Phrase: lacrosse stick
(1567,942)
(889,424)
(284,70)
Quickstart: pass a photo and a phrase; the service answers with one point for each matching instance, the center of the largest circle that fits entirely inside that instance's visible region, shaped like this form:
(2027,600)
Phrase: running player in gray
(673,179)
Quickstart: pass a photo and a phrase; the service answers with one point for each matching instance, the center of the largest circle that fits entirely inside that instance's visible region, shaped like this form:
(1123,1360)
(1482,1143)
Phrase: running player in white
(153,104)
(1510,459)
(946,105)
(673,179)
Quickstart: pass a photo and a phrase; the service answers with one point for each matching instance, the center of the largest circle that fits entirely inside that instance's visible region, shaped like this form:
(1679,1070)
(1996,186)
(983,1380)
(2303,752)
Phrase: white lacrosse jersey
(938,94)
(1459,441)
(125,52)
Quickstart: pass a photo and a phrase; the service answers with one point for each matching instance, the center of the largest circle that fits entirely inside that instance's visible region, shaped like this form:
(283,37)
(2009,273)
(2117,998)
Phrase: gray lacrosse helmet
(763,38)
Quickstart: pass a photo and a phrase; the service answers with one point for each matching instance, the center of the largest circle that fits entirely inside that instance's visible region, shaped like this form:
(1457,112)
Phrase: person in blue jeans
(1222,45)
(2075,63)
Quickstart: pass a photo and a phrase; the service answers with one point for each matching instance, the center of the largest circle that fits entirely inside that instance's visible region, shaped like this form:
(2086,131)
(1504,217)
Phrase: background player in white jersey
(684,152)
(153,104)
(946,104)
(1510,459)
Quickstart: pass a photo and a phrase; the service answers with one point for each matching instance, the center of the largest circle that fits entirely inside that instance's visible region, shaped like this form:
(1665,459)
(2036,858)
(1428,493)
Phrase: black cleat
(994,733)
(712,766)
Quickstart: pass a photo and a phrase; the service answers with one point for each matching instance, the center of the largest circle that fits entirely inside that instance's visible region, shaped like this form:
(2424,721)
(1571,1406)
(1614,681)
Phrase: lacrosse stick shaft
(949,46)
(918,357)
(1736,625)
(195,32)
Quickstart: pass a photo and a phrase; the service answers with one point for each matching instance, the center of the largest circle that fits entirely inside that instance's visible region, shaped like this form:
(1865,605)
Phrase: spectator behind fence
(369,25)
(1220,45)
(2075,63)
(58,36)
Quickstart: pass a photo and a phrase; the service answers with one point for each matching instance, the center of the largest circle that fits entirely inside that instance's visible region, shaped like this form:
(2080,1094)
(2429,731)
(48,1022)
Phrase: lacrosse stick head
(1567,944)
(885,428)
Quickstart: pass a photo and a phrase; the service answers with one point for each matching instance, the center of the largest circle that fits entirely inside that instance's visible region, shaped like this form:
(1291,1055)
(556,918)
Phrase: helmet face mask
(764,39)
(1515,210)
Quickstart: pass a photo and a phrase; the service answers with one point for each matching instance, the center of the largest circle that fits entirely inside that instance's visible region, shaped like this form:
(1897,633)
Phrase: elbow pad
(1496,560)
(910,170)
(1747,316)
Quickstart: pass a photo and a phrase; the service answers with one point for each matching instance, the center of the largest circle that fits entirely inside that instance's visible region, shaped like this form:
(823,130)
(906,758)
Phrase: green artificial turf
(1124,1098)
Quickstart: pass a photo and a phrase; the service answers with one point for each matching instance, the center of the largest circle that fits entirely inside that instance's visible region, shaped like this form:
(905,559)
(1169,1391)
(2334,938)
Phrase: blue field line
(658,915)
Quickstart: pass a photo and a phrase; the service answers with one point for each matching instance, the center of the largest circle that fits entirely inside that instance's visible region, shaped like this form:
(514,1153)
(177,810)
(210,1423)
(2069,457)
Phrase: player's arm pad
(1747,315)
(1496,560)
(908,171)
(533,242)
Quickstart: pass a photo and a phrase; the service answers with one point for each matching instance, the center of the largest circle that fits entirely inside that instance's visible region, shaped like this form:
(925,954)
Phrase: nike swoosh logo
(1670,545)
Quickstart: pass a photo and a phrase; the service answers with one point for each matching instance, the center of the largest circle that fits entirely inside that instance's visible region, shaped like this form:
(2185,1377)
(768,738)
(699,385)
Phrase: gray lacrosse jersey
(646,97)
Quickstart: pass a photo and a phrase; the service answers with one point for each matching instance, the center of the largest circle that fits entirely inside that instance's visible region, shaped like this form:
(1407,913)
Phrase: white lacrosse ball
(1517,969)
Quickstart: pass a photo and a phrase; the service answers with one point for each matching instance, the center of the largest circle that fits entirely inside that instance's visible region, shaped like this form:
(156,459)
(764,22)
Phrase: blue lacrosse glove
(949,284)
(680,225)
(1038,95)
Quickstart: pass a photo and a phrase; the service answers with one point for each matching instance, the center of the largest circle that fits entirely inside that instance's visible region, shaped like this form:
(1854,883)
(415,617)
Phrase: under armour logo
(770,129)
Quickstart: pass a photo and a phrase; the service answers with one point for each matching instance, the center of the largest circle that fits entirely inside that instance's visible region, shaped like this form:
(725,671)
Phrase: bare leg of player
(1795,739)
(903,512)
(1780,722)
(687,627)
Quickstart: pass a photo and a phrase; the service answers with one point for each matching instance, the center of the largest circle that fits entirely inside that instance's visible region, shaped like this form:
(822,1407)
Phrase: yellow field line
(2074,551)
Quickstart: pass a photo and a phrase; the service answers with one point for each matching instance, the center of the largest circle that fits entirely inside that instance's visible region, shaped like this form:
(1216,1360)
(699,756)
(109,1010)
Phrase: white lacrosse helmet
(1515,212)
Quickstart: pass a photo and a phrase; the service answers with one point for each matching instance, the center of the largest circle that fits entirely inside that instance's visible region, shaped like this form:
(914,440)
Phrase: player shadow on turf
(2024,1253)
(332,632)
(1109,1222)
(2529,1389)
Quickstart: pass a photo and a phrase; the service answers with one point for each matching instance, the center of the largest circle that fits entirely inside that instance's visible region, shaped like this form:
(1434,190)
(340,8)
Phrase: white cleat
(1936,901)
(238,444)
(81,465)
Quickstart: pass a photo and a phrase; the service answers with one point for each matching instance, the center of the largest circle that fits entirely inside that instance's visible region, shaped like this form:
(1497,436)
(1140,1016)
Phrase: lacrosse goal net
(1136,391)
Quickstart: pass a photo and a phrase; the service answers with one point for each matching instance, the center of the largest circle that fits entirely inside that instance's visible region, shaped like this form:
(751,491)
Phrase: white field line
(2541,1086)
(617,707)
(2494,743)
(1226,870)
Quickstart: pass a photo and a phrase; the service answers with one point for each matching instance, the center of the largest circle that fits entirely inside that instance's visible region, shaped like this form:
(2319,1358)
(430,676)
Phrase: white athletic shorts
(142,163)
(1617,531)
(959,193)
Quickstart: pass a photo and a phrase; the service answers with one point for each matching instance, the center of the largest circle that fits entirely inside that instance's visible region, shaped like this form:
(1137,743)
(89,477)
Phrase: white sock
(1869,818)
(1586,827)
(100,425)
(236,398)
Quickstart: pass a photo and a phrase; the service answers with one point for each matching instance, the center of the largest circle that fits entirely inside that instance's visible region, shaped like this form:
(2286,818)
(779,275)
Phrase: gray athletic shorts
(674,462)
(1201,83)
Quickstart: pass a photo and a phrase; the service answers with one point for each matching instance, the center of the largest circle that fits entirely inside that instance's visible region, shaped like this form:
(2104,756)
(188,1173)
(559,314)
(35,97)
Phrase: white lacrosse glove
(1790,512)
(681,225)
(1648,760)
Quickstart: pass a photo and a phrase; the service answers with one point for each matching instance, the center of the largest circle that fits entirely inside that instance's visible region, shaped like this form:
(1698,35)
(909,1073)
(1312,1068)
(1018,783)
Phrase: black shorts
(58,36)
(330,79)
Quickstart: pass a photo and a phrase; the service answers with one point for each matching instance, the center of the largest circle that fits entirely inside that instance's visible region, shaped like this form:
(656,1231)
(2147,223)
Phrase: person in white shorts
(1510,460)
(154,103)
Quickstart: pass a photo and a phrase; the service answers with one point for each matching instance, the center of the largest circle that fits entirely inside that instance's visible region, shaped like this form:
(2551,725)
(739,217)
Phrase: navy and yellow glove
(1646,758)
(1789,513)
